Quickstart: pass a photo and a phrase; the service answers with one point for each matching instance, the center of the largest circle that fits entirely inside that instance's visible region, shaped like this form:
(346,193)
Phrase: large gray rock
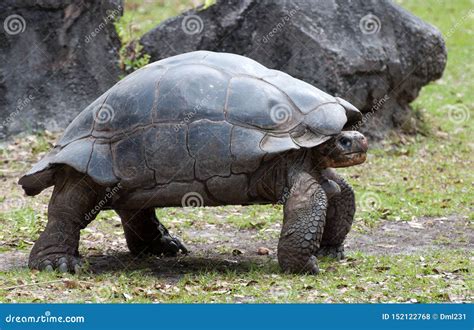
(56,57)
(372,53)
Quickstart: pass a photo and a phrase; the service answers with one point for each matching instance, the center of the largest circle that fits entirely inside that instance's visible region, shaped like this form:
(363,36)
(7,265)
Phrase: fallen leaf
(70,284)
(263,251)
(360,289)
(331,269)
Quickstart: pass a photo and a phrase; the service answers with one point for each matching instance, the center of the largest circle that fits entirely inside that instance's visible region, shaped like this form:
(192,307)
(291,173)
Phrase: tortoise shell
(194,116)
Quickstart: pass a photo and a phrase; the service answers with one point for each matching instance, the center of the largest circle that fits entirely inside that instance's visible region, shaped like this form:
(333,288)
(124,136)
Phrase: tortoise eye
(345,142)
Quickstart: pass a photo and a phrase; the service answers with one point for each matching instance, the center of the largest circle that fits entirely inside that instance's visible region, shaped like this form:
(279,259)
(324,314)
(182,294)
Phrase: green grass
(141,16)
(405,177)
(433,277)
(20,228)
(253,217)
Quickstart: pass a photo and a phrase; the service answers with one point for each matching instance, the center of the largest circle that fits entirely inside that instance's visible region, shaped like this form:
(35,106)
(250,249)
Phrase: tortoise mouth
(357,157)
(349,159)
(354,153)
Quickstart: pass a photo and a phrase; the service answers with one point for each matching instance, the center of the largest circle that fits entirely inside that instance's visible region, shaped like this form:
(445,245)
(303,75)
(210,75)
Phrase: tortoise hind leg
(146,235)
(339,218)
(71,208)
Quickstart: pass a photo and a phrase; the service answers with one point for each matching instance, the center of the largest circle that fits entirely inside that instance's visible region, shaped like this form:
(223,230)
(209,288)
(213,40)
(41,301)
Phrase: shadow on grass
(176,266)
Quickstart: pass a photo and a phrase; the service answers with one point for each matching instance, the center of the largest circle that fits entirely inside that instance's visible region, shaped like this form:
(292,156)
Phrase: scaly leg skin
(339,218)
(303,225)
(146,235)
(74,197)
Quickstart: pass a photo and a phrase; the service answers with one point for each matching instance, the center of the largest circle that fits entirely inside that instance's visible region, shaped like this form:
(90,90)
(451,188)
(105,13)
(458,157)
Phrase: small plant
(132,57)
(208,3)
(41,143)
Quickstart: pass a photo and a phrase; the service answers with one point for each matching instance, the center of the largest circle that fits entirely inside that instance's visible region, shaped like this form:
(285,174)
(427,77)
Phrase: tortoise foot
(63,263)
(311,266)
(168,246)
(333,252)
(145,234)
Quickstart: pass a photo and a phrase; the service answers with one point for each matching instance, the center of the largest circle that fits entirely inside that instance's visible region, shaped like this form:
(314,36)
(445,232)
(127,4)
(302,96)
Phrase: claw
(61,263)
(179,246)
(174,246)
(46,265)
(62,268)
(312,266)
(77,269)
(183,249)
(172,249)
(334,252)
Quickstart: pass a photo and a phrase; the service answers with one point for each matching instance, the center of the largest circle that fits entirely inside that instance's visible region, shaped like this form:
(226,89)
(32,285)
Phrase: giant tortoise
(206,129)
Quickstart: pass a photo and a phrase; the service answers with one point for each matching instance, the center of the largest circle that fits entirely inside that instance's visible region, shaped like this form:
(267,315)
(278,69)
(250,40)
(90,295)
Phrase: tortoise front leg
(340,215)
(146,235)
(303,225)
(71,208)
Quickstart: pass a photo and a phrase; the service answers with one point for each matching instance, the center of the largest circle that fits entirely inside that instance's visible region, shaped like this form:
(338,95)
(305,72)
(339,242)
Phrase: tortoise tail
(35,183)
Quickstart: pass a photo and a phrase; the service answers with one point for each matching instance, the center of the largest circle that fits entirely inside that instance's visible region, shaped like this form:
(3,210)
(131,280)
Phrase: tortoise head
(346,149)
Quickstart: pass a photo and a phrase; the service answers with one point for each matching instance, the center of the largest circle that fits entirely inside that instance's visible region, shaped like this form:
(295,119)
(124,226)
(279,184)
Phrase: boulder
(373,53)
(56,57)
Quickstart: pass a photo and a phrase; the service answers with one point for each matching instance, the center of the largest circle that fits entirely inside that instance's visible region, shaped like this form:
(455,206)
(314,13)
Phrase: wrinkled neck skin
(273,181)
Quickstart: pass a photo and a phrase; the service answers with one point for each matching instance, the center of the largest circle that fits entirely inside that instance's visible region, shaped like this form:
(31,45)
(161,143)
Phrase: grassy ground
(141,16)
(405,178)
(436,277)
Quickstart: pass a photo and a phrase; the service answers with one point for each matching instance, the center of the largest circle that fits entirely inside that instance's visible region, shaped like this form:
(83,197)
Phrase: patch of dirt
(223,247)
(12,260)
(415,236)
